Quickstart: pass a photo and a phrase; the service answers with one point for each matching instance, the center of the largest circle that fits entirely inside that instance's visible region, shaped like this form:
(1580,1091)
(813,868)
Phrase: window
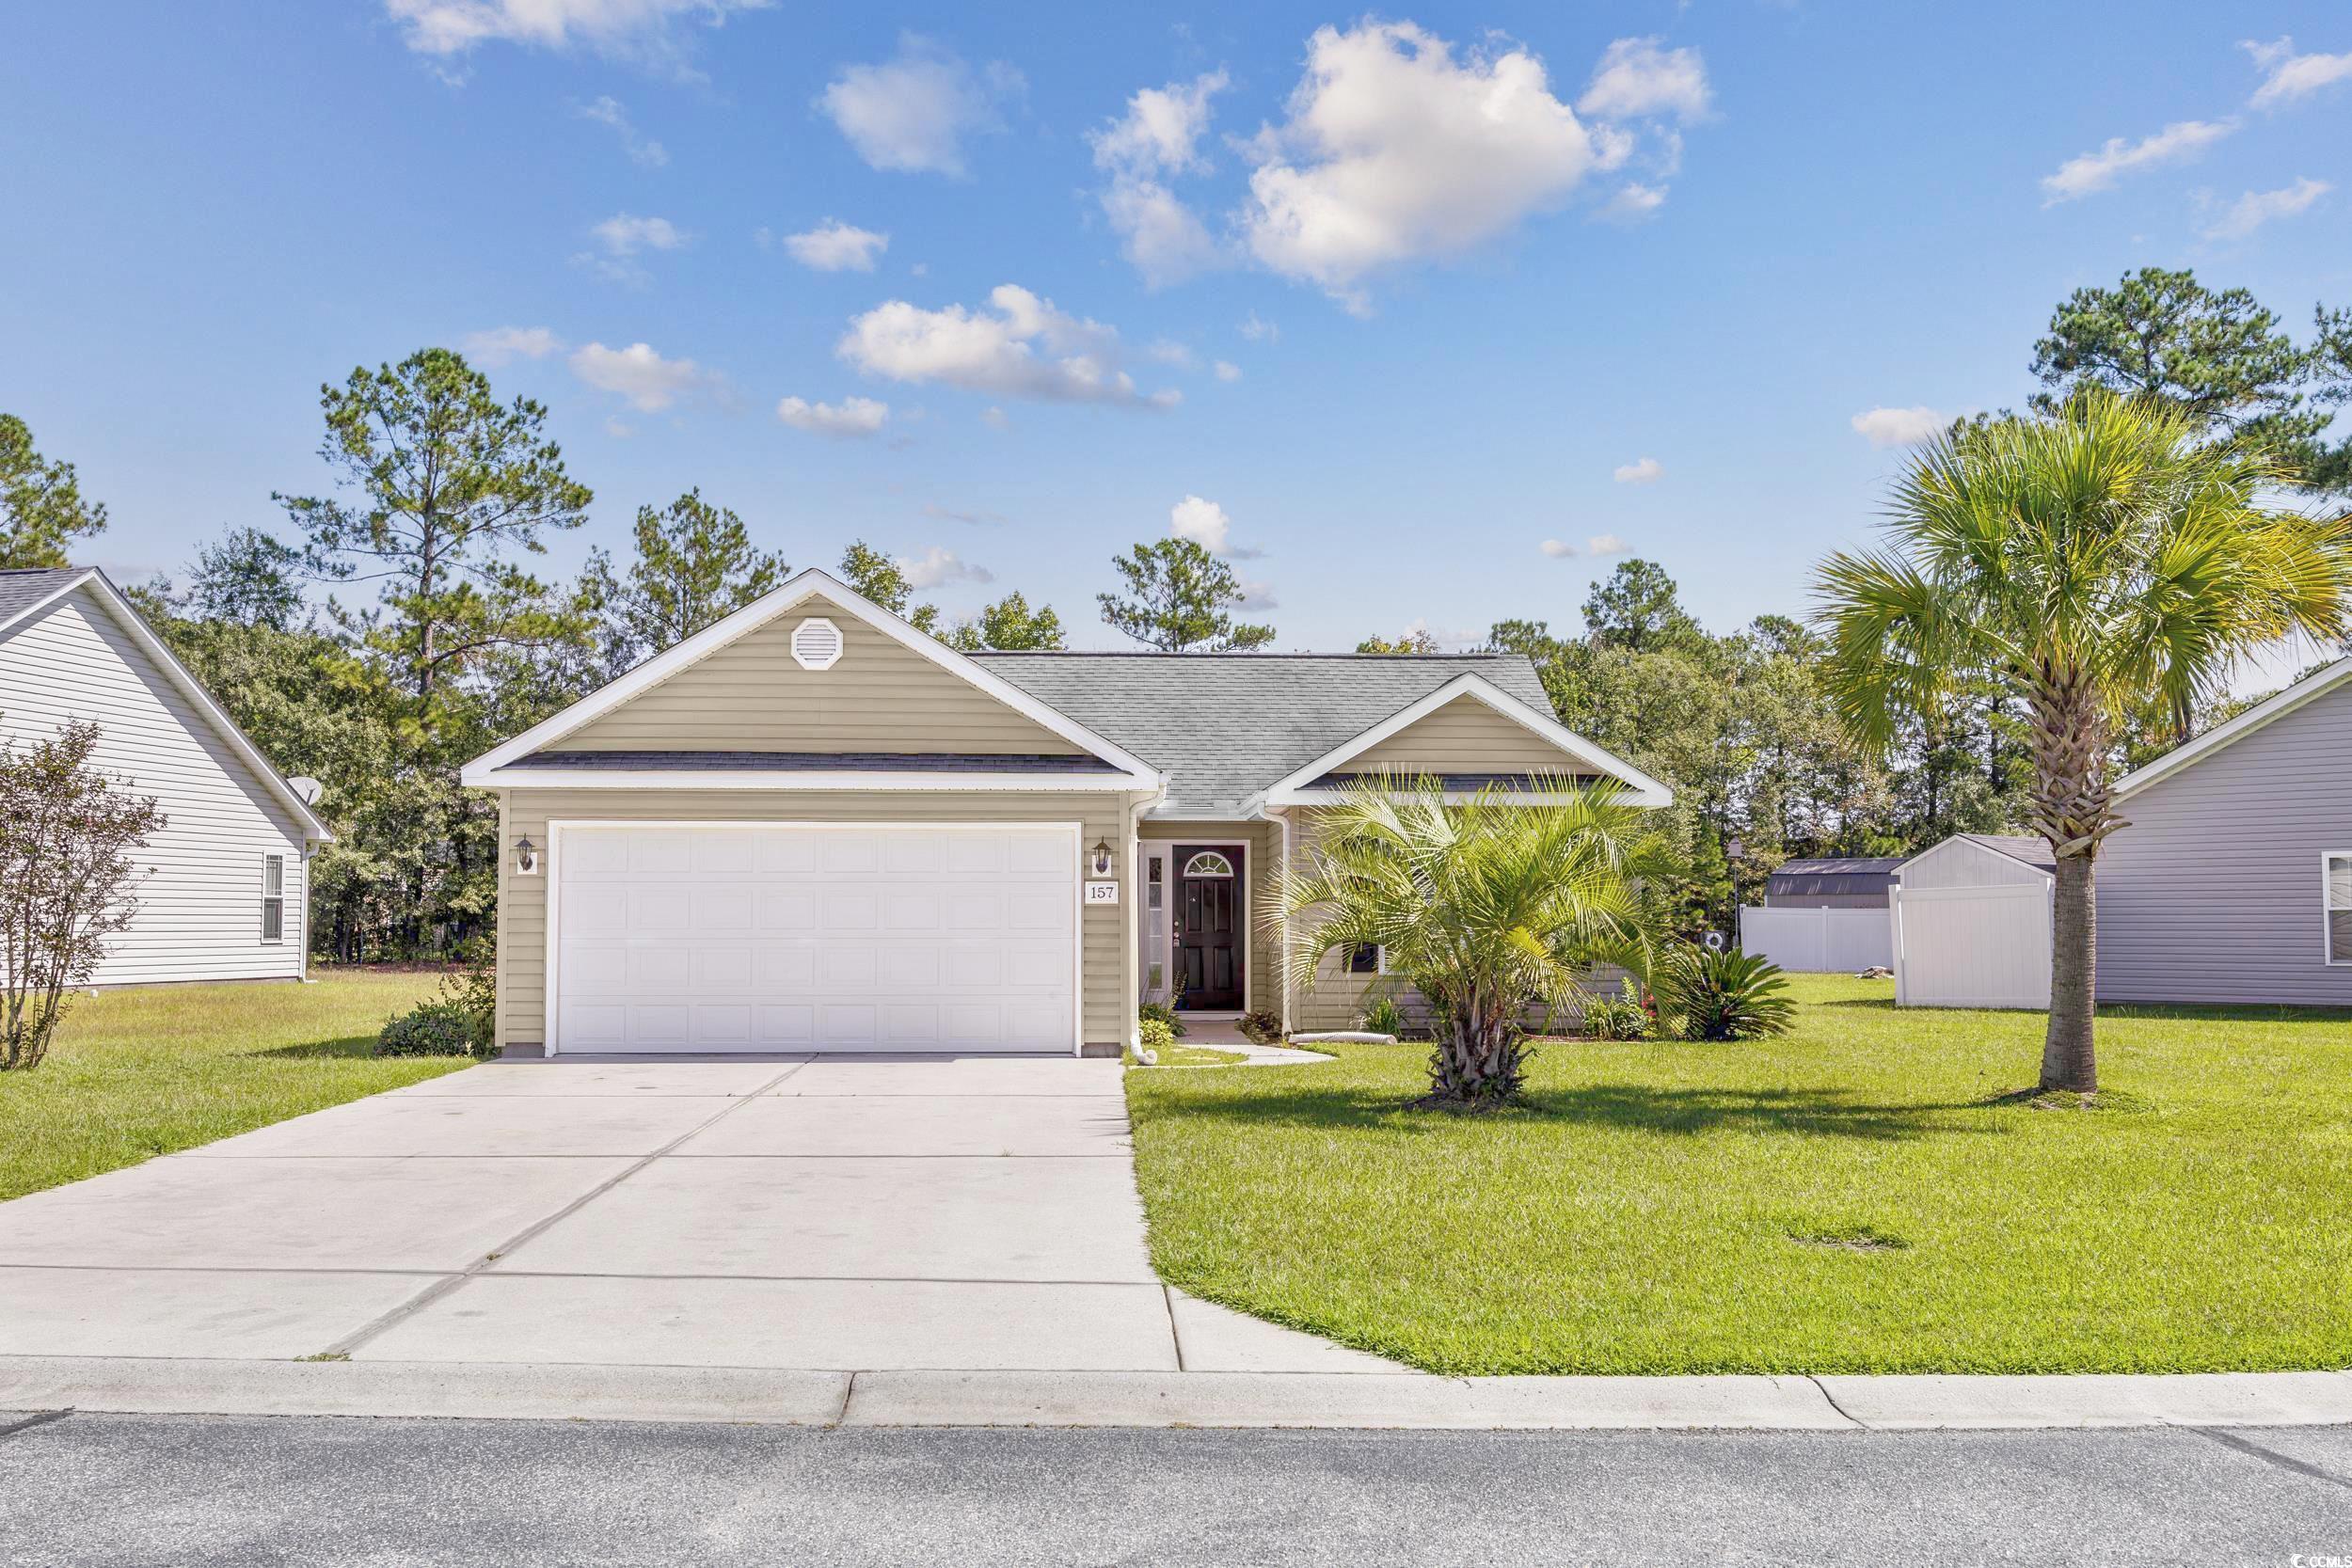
(1154,885)
(2336,904)
(1366,958)
(273,897)
(1208,863)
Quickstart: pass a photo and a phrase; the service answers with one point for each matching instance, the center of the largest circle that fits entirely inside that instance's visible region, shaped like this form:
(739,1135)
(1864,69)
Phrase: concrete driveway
(828,1213)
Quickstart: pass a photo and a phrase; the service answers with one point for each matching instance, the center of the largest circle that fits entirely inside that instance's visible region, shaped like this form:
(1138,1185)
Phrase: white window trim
(839,644)
(1380,961)
(279,899)
(2326,941)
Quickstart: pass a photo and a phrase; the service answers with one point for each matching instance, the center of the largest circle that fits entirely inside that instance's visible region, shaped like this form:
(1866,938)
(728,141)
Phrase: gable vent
(816,643)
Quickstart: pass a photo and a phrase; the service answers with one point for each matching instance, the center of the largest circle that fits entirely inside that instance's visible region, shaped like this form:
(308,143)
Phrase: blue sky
(1479,278)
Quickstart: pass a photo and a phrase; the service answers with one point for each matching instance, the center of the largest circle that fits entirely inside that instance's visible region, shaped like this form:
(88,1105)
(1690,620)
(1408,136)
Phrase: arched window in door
(1208,863)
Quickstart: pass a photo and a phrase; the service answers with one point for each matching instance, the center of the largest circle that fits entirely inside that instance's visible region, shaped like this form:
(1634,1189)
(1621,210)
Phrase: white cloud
(1559,549)
(1157,138)
(618,428)
(996,419)
(1634,202)
(1203,522)
(912,113)
(642,151)
(1256,594)
(1899,427)
(624,27)
(1605,544)
(2287,75)
(1020,346)
(2089,173)
(503,345)
(648,381)
(1395,151)
(1227,371)
(625,234)
(1636,79)
(1648,471)
(849,417)
(937,568)
(1259,330)
(836,246)
(1167,351)
(2255,208)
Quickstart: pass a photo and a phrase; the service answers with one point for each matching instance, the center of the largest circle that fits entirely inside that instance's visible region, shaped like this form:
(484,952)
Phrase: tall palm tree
(2095,561)
(1489,908)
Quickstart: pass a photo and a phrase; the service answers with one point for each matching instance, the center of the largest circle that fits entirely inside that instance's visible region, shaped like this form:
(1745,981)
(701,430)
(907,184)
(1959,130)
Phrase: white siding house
(223,895)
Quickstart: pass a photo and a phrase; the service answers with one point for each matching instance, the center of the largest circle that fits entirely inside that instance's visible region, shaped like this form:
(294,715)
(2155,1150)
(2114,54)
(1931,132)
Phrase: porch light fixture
(526,857)
(1102,856)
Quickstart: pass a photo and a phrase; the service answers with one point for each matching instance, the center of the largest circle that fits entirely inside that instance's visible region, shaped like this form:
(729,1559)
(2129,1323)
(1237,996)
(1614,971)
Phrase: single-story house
(813,827)
(221,889)
(2233,882)
(1831,883)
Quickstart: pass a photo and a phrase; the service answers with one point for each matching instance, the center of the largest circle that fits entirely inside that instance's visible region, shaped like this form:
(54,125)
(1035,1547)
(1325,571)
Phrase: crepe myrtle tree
(1490,909)
(2105,557)
(66,879)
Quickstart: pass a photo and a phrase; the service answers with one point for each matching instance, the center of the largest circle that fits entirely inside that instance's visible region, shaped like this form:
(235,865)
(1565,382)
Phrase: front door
(1208,932)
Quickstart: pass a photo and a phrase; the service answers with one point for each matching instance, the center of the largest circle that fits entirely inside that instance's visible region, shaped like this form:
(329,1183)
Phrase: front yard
(137,1073)
(1850,1197)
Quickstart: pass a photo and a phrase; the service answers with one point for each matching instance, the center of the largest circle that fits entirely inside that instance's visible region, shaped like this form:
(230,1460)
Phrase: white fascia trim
(126,615)
(2237,729)
(577,778)
(799,586)
(1293,791)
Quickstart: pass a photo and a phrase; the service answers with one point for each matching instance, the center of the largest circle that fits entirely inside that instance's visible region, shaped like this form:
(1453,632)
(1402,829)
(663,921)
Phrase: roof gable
(27,595)
(738,687)
(2262,714)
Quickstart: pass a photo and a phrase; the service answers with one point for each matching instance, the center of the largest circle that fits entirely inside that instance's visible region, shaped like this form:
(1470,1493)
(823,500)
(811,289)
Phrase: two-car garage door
(777,938)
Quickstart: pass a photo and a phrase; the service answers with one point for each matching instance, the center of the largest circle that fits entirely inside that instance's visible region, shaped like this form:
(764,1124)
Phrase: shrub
(1728,995)
(1164,1014)
(1382,1016)
(474,989)
(440,1027)
(1621,1017)
(1154,1035)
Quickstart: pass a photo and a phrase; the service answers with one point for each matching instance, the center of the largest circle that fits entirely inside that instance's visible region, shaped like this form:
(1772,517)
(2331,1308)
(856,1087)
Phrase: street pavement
(127,1491)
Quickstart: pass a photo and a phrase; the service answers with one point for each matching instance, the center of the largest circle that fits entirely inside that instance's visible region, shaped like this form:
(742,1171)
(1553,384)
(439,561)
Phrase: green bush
(440,1027)
(1154,1033)
(1164,1014)
(1382,1016)
(1263,1027)
(1621,1017)
(1729,995)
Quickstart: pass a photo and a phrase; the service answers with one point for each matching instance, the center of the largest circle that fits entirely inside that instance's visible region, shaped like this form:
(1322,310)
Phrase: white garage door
(784,938)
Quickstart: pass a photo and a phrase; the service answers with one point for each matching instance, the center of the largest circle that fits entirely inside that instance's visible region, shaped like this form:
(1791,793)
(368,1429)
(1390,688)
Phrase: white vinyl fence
(1819,941)
(1973,947)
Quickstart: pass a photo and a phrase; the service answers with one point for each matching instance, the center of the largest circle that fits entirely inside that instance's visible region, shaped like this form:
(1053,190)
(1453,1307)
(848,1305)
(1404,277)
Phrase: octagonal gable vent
(816,643)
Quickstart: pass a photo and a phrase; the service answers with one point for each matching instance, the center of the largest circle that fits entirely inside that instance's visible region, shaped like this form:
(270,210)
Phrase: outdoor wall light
(1102,856)
(526,857)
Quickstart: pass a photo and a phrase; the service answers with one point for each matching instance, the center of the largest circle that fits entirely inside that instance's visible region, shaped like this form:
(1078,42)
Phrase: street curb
(1348,1401)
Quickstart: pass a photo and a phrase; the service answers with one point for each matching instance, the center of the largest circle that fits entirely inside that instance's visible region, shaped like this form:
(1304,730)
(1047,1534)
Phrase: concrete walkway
(840,1214)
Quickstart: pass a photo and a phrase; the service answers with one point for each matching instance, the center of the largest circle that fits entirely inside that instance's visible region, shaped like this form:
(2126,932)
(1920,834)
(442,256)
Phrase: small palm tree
(1489,908)
(2093,561)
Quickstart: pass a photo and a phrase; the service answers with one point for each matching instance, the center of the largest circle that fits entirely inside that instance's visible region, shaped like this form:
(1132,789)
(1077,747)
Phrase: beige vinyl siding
(200,903)
(751,695)
(1106,977)
(1463,736)
(1261,852)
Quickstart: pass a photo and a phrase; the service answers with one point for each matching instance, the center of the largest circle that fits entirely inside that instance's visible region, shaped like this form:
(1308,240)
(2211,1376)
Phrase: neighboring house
(221,892)
(2233,882)
(1831,883)
(811,827)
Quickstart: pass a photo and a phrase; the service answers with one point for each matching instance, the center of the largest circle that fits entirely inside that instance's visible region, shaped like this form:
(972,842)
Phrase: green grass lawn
(1849,1197)
(137,1073)
(1180,1054)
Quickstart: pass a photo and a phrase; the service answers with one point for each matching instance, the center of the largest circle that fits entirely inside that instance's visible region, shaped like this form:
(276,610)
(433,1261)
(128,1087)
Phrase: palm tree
(1489,908)
(2088,562)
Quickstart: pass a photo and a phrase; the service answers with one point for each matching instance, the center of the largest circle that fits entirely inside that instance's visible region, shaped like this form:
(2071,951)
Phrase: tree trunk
(2068,1059)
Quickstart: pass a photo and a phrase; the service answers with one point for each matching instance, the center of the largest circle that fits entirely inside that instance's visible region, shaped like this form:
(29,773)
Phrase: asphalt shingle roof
(1224,726)
(23,587)
(2031,848)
